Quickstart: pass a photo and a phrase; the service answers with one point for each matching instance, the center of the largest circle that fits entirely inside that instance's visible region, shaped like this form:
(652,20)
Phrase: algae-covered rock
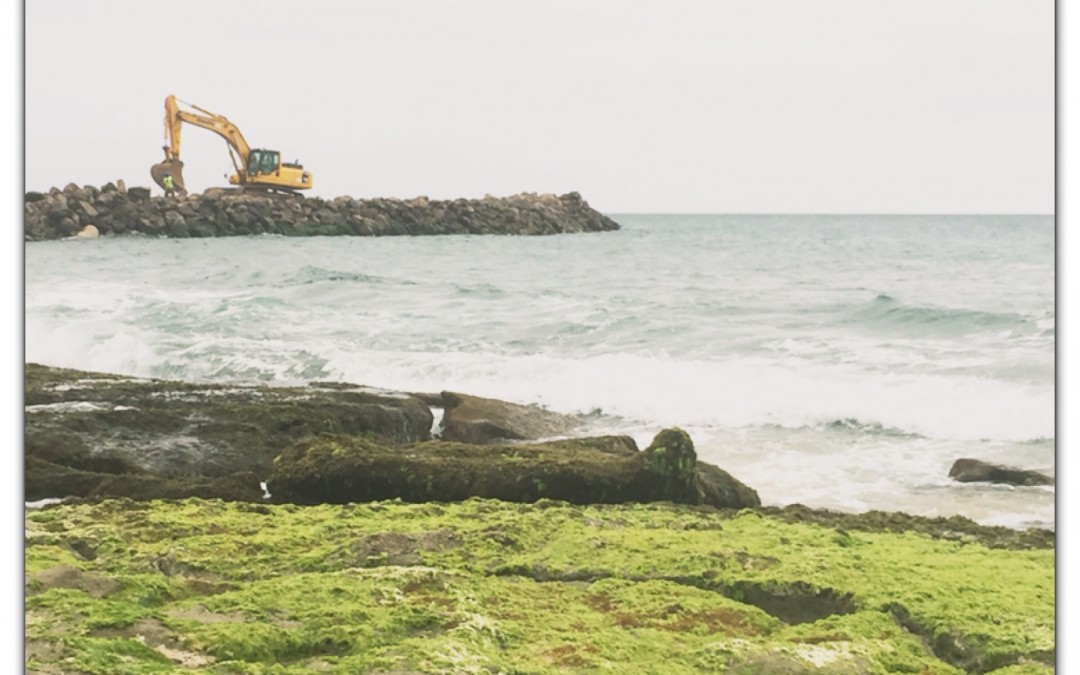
(671,455)
(472,419)
(92,434)
(343,469)
(485,586)
(49,479)
(978,471)
(952,528)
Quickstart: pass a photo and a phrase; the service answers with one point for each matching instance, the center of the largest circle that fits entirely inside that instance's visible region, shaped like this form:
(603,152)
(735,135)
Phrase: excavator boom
(257,168)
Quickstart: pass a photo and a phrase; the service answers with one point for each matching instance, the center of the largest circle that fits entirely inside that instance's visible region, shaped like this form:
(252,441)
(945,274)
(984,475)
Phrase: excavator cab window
(253,162)
(269,162)
(263,162)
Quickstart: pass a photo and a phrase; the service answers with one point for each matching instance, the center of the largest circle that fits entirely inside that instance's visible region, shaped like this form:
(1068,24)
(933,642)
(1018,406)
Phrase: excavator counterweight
(259,169)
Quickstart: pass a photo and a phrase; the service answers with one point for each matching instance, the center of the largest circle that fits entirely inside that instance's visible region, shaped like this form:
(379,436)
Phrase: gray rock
(58,204)
(173,218)
(88,209)
(472,419)
(67,226)
(977,471)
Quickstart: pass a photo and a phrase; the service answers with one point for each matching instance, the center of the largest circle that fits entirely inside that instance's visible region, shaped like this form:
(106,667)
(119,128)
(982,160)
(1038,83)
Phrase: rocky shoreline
(98,435)
(114,209)
(93,436)
(384,547)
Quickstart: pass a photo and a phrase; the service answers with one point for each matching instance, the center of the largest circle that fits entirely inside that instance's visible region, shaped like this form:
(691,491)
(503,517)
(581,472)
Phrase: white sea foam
(76,407)
(100,345)
(662,390)
(40,503)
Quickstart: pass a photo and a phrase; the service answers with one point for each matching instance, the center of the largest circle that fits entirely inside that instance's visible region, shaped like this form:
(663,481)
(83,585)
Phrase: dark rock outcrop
(229,212)
(978,471)
(471,419)
(89,434)
(339,469)
(97,435)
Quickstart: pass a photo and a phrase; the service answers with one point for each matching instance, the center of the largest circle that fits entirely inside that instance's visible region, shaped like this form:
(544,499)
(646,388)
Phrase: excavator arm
(260,168)
(175,117)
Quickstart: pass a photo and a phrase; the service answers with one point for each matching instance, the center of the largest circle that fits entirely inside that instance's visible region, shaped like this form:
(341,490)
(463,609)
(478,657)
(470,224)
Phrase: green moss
(347,469)
(1024,669)
(488,586)
(122,656)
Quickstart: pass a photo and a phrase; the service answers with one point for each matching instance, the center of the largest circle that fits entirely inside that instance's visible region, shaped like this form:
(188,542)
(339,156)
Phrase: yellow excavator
(256,168)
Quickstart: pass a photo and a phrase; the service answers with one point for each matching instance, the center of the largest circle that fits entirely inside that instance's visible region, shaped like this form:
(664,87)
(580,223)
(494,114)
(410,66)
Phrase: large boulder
(84,429)
(978,471)
(339,469)
(472,419)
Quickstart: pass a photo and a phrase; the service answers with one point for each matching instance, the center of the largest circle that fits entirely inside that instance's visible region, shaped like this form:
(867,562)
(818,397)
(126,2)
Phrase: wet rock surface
(90,434)
(95,435)
(114,210)
(472,419)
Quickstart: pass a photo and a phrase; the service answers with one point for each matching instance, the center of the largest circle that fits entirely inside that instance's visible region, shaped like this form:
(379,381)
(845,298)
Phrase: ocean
(841,362)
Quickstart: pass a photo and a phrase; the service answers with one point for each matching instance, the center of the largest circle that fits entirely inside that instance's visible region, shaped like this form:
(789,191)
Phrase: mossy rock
(346,469)
(123,586)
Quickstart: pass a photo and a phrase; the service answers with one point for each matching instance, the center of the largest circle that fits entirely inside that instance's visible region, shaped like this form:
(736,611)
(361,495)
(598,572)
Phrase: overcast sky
(887,106)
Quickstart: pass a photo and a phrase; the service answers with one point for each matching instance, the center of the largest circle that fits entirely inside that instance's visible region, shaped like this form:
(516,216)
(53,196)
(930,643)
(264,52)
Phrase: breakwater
(114,209)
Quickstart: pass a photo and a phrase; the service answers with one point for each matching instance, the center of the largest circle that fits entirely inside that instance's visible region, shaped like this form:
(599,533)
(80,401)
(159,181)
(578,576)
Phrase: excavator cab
(263,162)
(266,171)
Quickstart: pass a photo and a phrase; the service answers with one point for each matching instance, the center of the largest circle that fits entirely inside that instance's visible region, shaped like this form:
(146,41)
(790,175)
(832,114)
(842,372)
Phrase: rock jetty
(114,209)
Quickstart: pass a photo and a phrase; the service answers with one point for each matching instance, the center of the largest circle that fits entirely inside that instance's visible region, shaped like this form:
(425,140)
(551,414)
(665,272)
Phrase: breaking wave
(314,275)
(888,312)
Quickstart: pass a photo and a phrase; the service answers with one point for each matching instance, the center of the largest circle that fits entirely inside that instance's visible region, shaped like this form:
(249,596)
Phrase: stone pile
(114,209)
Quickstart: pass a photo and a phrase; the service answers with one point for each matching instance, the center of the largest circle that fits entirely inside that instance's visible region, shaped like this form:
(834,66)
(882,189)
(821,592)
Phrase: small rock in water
(977,471)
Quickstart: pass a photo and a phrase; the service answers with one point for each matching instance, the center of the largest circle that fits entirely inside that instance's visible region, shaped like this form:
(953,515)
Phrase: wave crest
(884,311)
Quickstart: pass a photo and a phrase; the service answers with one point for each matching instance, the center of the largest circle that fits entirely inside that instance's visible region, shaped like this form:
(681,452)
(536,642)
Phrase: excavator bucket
(175,168)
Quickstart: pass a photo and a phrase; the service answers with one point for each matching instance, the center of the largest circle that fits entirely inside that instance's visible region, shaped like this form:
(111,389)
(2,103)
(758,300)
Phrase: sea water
(834,361)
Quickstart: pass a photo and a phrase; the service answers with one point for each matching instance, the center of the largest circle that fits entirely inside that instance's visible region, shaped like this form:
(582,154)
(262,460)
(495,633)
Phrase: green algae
(489,586)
